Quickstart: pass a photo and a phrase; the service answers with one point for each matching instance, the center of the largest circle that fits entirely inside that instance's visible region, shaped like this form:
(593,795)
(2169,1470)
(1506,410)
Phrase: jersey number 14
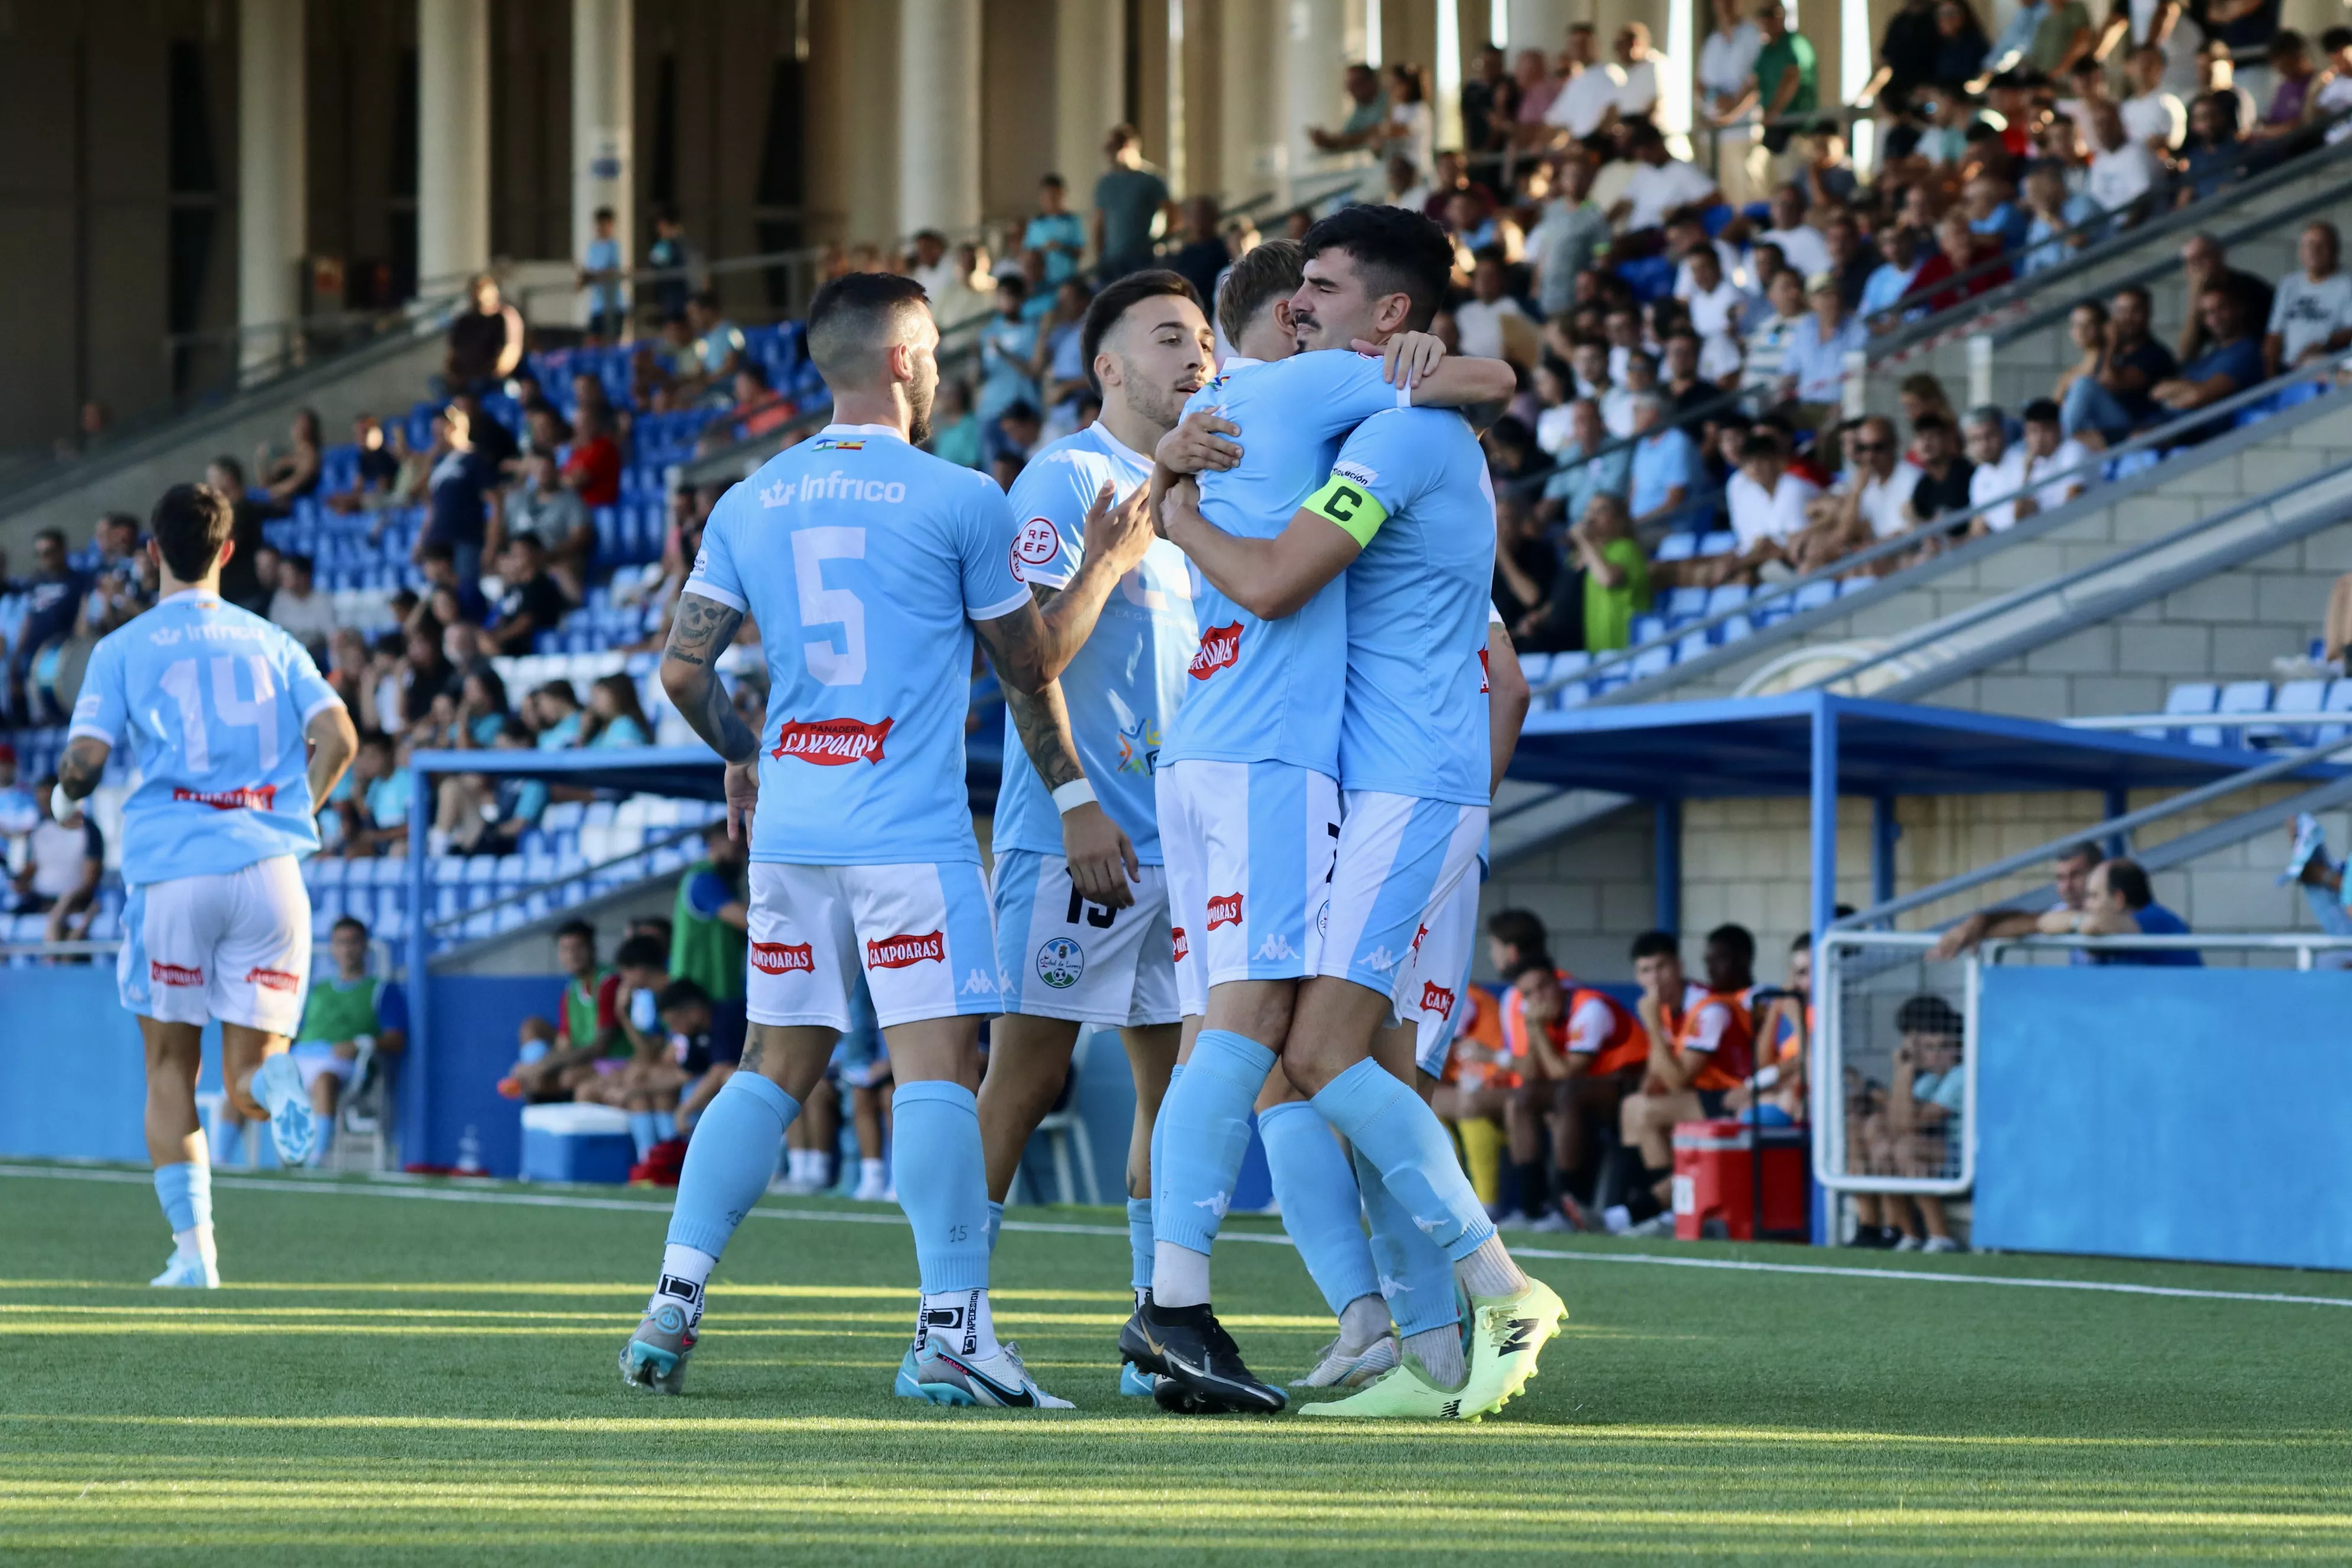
(182,683)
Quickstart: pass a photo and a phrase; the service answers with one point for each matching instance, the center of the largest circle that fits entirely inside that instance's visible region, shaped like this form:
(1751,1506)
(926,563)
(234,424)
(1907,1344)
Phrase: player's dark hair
(1117,299)
(1736,939)
(680,994)
(1656,944)
(642,952)
(579,929)
(190,524)
(2088,852)
(2127,880)
(1400,251)
(1268,271)
(1927,1016)
(353,922)
(1520,929)
(854,318)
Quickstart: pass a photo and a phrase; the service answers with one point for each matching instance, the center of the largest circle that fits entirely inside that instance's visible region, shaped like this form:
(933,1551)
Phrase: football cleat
(1136,1383)
(1335,1368)
(905,1385)
(293,1125)
(188,1271)
(2310,845)
(1405,1392)
(1199,1366)
(654,1357)
(995,1383)
(1507,1335)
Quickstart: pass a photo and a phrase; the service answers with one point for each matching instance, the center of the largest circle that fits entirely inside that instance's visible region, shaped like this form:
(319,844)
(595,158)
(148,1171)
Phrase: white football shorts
(921,931)
(1061,957)
(1431,986)
(1401,861)
(235,946)
(1249,847)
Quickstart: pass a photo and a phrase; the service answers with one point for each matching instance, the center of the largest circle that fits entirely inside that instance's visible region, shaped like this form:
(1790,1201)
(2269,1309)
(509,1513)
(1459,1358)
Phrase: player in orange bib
(1585,1051)
(1705,1048)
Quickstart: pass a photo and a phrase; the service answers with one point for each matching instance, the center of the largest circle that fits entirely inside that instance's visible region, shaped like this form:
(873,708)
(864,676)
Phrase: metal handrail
(2201,720)
(446,923)
(1902,544)
(2131,821)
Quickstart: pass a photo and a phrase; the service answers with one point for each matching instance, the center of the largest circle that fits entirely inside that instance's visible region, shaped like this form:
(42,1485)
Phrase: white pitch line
(385,1189)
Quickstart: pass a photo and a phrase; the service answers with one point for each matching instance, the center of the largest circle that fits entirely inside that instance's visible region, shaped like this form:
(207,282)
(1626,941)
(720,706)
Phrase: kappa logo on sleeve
(1220,648)
(899,952)
(831,742)
(784,958)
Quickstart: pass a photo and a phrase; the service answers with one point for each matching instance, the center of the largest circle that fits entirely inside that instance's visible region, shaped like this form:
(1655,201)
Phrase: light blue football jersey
(1263,691)
(1128,679)
(1419,600)
(863,562)
(212,701)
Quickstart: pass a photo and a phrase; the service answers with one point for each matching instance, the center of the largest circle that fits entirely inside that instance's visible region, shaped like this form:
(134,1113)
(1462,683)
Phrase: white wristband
(1072,796)
(62,805)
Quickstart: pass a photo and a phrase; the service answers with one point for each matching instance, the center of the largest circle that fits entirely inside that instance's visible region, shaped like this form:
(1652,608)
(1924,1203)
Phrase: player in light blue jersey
(1249,790)
(868,565)
(1413,763)
(1088,553)
(237,738)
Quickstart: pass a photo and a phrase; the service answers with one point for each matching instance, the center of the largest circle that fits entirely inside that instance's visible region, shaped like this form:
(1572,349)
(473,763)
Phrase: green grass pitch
(388,1379)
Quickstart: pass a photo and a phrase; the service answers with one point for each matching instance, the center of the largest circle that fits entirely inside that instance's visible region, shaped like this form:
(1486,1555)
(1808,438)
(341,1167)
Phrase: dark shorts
(1711,1102)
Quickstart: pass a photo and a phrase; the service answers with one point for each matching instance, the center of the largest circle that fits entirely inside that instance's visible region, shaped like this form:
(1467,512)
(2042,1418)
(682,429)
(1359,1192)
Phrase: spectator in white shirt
(306,613)
(1483,322)
(2310,311)
(2123,171)
(2152,117)
(1589,103)
(1589,359)
(1878,484)
(1767,502)
(1999,472)
(1714,300)
(1637,98)
(1803,246)
(933,266)
(2051,460)
(1661,185)
(2335,96)
(1726,59)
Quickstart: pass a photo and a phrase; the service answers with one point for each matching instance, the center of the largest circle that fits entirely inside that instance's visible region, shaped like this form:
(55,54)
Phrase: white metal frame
(1827,1071)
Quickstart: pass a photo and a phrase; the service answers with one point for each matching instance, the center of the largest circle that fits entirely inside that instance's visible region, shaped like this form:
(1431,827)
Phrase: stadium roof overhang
(1752,746)
(691,772)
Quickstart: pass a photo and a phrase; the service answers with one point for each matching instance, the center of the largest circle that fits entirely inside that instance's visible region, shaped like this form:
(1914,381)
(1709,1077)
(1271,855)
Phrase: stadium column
(603,58)
(453,142)
(1089,89)
(1249,140)
(1543,24)
(939,119)
(1322,38)
(272,181)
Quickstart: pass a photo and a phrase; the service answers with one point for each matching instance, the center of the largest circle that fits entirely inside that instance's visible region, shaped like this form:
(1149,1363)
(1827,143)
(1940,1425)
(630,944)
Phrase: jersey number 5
(821,606)
(181,682)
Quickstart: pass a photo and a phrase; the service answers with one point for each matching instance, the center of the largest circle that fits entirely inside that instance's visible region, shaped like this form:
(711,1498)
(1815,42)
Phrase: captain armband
(1348,505)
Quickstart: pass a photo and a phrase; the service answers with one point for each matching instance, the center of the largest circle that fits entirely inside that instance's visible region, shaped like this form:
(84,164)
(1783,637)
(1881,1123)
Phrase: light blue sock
(1138,1242)
(641,1132)
(1407,1144)
(186,1191)
(1414,1274)
(1206,1123)
(1159,1131)
(326,1141)
(995,1224)
(665,1126)
(2328,911)
(944,1189)
(730,1160)
(1321,1208)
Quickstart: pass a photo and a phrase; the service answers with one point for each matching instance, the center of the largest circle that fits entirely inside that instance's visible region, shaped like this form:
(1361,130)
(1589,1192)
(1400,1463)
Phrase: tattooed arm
(82,766)
(697,636)
(1117,536)
(1097,852)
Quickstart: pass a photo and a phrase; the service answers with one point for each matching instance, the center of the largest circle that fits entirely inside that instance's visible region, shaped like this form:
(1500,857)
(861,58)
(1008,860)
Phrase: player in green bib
(351,1019)
(710,927)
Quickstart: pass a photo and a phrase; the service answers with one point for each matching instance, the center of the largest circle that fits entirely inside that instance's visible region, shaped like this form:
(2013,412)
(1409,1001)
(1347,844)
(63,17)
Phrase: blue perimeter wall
(2177,1113)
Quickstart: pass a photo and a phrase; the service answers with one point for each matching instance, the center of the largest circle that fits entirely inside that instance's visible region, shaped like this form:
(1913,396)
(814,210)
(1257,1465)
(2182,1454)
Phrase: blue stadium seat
(1677,547)
(1721,543)
(1725,596)
(2339,701)
(2300,697)
(2191,697)
(1686,604)
(1652,661)
(2246,697)
(1648,628)
(1535,667)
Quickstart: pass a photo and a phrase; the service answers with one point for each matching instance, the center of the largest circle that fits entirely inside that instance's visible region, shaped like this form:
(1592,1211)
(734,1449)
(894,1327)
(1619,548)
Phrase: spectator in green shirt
(1616,572)
(1126,199)
(1785,84)
(708,930)
(2061,37)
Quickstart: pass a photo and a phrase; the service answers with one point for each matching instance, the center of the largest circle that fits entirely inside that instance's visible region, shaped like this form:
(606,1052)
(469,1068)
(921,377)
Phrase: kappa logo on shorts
(1275,945)
(979,984)
(1060,962)
(1435,999)
(162,973)
(783,957)
(831,742)
(899,952)
(1220,648)
(273,979)
(1225,909)
(253,797)
(1380,961)
(1179,950)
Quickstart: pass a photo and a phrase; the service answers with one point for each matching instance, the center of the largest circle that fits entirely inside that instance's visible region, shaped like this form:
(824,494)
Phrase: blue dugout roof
(691,772)
(1749,746)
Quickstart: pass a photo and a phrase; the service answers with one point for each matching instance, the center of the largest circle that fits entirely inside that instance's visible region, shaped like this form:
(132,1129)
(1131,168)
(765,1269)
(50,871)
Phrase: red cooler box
(1715,1164)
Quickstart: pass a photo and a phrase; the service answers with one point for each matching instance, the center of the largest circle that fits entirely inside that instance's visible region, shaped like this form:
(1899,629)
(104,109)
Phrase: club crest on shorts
(899,952)
(1061,963)
(783,957)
